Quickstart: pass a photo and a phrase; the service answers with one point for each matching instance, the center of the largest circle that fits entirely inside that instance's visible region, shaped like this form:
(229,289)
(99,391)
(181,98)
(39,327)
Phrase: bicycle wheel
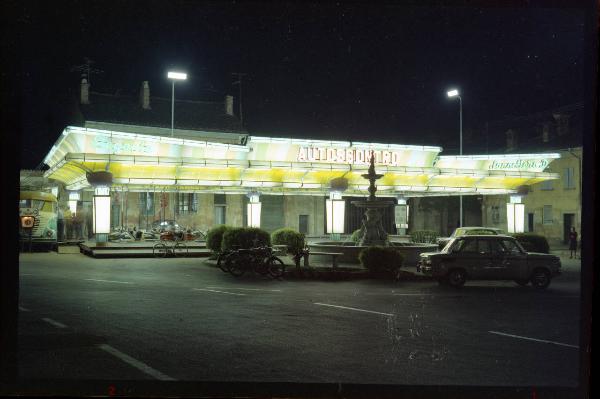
(180,249)
(160,250)
(222,261)
(236,265)
(275,266)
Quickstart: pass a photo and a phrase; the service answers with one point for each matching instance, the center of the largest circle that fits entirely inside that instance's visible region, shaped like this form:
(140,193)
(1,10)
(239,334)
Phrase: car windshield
(448,245)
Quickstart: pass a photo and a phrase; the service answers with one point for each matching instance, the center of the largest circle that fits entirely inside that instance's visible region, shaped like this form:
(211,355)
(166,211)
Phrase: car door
(488,266)
(467,256)
(514,260)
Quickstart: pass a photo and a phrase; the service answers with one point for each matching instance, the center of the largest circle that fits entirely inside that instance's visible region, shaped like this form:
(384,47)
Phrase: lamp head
(453,93)
(177,75)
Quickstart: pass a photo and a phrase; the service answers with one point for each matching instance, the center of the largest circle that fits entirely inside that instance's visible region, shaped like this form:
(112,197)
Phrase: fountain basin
(409,250)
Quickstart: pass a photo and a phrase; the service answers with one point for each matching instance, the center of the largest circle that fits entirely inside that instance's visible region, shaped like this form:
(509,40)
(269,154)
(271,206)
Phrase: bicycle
(179,249)
(259,260)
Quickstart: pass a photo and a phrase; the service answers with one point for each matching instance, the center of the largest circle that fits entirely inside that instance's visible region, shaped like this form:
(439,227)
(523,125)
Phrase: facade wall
(314,207)
(562,199)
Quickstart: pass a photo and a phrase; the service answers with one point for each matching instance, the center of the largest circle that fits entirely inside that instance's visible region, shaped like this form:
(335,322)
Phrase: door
(303,224)
(568,222)
(530,222)
(468,258)
(219,215)
(514,260)
(489,265)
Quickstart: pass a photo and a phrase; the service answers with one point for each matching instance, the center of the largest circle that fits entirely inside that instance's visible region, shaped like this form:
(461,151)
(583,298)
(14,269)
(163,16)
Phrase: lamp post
(454,93)
(174,76)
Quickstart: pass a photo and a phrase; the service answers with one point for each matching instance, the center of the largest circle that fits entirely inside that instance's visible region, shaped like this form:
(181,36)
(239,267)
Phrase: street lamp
(454,93)
(174,76)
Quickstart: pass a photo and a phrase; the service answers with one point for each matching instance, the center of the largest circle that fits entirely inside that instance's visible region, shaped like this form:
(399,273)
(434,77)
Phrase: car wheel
(456,278)
(522,282)
(540,278)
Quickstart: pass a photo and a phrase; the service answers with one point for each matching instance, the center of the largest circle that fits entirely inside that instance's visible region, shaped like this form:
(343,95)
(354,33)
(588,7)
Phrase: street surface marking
(247,289)
(54,323)
(221,292)
(26,274)
(136,363)
(358,310)
(108,281)
(534,339)
(22,309)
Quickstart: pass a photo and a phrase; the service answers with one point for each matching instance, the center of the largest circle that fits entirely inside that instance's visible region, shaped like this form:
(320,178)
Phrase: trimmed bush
(290,237)
(214,237)
(355,236)
(533,242)
(381,260)
(244,238)
(423,236)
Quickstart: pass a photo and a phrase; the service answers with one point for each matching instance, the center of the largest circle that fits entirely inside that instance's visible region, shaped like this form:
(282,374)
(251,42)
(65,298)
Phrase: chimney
(546,132)
(562,123)
(511,140)
(145,95)
(85,91)
(229,105)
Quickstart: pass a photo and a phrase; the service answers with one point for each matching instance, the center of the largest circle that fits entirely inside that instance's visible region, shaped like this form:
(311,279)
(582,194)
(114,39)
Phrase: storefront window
(187,203)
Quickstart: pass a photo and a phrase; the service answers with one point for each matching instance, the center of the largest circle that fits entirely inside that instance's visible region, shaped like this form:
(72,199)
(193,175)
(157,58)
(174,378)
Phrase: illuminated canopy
(153,162)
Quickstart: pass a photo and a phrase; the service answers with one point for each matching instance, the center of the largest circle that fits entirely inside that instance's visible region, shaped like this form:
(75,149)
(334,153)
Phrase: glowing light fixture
(401,215)
(453,93)
(177,75)
(336,209)
(515,215)
(253,209)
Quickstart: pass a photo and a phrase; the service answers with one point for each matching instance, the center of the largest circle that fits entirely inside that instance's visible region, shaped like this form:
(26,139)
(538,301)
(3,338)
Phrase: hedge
(244,238)
(380,260)
(214,237)
(533,242)
(423,236)
(293,239)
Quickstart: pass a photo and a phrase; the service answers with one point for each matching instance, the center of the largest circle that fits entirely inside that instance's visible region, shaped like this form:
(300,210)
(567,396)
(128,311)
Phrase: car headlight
(427,261)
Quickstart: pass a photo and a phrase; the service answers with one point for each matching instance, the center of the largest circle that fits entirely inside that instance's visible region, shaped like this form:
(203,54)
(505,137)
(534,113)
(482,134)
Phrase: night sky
(375,73)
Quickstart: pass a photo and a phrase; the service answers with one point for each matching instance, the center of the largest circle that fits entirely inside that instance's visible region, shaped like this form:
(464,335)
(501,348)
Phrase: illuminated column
(253,209)
(101,181)
(335,208)
(515,215)
(401,215)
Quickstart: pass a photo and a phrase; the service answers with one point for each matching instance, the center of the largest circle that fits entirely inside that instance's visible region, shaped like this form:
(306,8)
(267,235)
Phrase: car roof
(479,228)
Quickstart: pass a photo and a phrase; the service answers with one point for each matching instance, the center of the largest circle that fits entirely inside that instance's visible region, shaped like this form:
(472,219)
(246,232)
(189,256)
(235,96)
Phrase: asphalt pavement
(184,320)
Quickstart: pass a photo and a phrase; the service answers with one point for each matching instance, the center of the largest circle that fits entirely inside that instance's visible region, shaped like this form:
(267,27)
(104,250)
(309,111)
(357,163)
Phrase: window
(547,185)
(511,247)
(467,246)
(569,179)
(187,203)
(219,214)
(547,214)
(146,203)
(303,224)
(220,199)
(483,247)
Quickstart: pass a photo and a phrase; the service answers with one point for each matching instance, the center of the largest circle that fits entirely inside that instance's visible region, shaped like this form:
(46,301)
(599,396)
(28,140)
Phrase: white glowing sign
(106,145)
(519,164)
(353,156)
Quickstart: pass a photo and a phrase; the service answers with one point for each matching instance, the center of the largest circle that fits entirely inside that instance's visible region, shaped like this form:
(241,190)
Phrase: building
(554,206)
(210,171)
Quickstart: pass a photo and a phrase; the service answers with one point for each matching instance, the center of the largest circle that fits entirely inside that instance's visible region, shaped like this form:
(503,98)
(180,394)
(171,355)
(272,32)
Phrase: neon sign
(353,156)
(106,145)
(519,164)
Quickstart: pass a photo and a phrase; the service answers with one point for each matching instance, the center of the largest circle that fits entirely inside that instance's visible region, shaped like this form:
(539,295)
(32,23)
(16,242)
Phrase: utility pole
(86,69)
(239,81)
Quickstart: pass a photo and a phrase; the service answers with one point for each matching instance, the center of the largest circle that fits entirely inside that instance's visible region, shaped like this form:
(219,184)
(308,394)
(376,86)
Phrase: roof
(192,115)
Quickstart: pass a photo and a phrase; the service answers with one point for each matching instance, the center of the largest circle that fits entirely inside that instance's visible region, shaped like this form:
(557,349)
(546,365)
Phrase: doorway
(530,222)
(568,222)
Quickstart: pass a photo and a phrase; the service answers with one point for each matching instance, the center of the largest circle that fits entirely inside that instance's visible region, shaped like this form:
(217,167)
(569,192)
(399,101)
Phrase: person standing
(573,242)
(60,224)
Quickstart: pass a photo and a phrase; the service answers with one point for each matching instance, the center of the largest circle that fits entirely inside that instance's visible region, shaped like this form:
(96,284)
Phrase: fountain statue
(372,231)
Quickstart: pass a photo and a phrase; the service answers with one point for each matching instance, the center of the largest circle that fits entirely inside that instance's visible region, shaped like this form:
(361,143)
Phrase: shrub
(381,259)
(355,236)
(290,237)
(214,237)
(533,242)
(423,236)
(244,238)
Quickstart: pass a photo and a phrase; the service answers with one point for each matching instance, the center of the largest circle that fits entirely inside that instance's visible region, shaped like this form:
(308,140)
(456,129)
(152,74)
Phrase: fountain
(372,232)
